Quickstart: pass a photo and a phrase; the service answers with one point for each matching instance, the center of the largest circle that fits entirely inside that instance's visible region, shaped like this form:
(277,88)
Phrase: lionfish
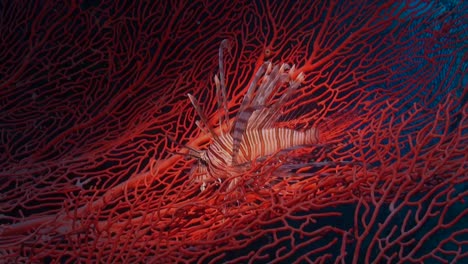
(254,133)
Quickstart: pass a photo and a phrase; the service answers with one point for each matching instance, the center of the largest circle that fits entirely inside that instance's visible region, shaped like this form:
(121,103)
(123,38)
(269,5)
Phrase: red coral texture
(93,100)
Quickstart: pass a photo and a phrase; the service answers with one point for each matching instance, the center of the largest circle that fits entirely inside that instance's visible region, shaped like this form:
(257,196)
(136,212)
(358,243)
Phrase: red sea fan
(91,94)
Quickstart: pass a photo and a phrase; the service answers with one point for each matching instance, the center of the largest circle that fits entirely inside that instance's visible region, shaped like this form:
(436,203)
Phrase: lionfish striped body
(254,133)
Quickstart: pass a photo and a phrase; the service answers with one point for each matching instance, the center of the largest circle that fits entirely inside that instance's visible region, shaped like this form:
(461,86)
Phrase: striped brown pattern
(253,134)
(255,144)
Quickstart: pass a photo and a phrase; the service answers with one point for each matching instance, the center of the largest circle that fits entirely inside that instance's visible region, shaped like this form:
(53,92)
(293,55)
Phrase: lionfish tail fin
(336,127)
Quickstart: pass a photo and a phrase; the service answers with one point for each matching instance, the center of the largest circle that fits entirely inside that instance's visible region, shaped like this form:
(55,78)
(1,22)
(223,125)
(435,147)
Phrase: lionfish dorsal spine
(203,119)
(220,84)
(257,111)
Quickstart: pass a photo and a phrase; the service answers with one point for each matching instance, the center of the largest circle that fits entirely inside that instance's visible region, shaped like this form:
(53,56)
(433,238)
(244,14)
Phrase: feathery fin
(243,115)
(220,84)
(257,111)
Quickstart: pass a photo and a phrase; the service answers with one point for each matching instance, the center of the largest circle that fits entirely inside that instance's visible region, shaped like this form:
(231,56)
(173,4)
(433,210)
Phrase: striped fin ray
(257,111)
(267,116)
(220,84)
(240,123)
(220,95)
(203,119)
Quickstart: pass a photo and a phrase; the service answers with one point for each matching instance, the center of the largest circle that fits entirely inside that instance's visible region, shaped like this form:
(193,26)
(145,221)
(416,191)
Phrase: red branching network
(93,100)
